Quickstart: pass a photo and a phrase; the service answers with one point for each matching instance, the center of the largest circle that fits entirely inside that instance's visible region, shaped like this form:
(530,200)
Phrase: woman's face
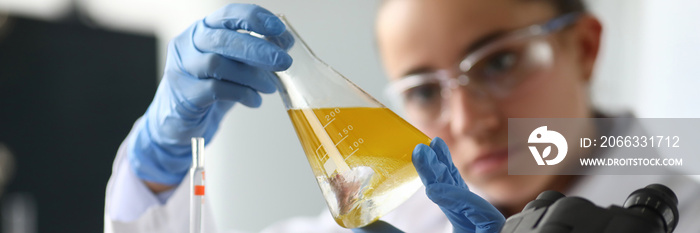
(427,35)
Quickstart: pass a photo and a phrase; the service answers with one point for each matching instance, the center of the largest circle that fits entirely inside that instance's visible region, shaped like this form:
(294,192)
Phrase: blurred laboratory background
(76,74)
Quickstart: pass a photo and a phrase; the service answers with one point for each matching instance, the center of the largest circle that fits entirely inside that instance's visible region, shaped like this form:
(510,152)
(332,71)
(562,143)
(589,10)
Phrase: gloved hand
(209,67)
(444,185)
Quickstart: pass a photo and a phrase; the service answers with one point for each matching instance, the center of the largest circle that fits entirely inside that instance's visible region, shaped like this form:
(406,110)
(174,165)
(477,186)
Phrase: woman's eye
(424,94)
(499,64)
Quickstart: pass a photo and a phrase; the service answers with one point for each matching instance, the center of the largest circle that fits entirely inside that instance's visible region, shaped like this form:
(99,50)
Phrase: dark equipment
(69,93)
(652,209)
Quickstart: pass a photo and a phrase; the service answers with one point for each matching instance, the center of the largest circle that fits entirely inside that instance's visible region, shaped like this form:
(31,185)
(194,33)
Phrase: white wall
(617,65)
(670,60)
(648,57)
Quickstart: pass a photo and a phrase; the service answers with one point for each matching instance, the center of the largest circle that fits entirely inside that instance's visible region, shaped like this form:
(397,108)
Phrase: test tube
(197,185)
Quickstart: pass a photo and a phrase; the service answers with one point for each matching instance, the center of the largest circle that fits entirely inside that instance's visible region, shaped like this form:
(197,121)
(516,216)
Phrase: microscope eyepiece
(658,200)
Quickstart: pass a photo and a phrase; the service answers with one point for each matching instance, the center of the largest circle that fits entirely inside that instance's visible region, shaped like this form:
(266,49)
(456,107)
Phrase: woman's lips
(489,162)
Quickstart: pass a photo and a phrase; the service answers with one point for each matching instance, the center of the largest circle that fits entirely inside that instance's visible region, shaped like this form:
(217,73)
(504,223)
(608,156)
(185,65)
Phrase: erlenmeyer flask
(359,150)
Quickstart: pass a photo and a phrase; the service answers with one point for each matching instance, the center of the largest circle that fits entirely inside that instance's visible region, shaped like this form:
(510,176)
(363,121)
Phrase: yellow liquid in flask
(361,157)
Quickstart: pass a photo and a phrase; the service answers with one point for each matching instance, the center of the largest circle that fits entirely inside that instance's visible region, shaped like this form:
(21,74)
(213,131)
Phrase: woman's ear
(587,34)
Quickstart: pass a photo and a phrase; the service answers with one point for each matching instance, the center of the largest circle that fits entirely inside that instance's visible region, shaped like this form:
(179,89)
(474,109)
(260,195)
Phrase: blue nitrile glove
(444,185)
(209,67)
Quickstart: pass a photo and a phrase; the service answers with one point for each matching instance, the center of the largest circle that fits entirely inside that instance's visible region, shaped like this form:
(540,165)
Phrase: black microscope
(652,209)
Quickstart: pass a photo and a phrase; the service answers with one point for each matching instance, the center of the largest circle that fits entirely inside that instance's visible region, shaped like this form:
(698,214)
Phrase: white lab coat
(131,207)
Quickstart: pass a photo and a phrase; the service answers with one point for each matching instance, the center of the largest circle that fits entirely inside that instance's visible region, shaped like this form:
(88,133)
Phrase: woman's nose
(472,114)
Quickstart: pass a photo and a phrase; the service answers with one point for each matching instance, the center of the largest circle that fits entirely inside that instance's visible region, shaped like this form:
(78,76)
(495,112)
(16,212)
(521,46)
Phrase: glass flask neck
(311,83)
